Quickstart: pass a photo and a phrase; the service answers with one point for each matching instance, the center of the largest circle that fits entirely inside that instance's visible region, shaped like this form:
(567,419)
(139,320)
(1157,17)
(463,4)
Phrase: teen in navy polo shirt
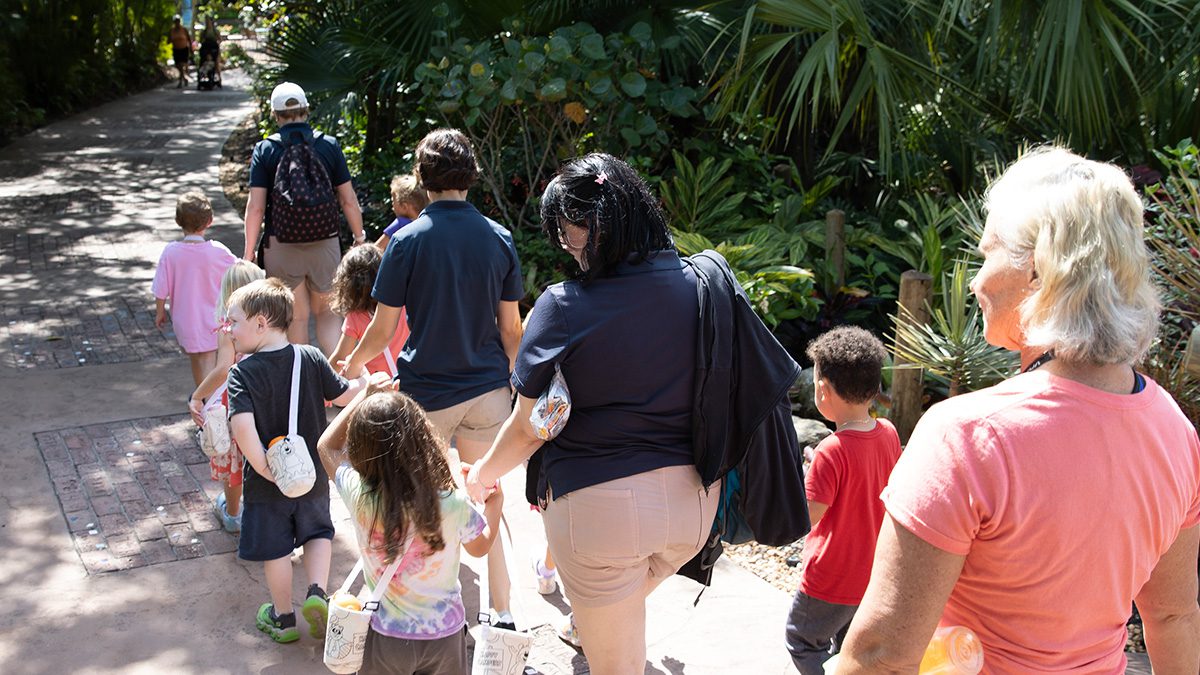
(625,508)
(457,274)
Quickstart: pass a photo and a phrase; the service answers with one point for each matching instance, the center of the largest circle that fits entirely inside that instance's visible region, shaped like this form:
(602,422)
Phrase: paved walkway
(109,559)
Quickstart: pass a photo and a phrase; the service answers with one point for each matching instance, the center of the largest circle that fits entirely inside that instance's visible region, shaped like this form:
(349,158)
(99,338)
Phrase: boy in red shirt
(850,468)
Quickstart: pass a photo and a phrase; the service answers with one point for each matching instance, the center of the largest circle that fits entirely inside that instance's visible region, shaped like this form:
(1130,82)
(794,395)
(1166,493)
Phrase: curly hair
(444,160)
(394,448)
(605,195)
(353,280)
(851,360)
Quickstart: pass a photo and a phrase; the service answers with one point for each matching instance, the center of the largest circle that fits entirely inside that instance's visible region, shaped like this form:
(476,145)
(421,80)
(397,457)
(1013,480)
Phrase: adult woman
(624,504)
(1035,511)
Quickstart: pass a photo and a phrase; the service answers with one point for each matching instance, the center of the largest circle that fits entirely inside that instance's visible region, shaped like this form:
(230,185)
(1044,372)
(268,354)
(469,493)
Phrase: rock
(810,432)
(801,393)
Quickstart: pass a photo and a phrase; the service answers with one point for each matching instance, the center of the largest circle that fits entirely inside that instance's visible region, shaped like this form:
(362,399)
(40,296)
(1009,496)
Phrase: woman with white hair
(1034,512)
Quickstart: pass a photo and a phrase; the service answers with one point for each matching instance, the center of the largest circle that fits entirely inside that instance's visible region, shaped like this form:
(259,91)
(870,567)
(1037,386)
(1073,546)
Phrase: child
(352,283)
(259,395)
(849,470)
(397,478)
(408,200)
(189,275)
(226,468)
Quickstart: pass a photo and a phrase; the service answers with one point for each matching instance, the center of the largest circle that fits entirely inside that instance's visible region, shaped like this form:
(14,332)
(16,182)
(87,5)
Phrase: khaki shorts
(615,539)
(476,419)
(314,262)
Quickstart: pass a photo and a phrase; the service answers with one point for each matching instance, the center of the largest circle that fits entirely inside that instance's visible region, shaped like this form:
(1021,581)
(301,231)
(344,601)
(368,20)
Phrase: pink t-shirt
(849,470)
(355,326)
(1062,498)
(189,278)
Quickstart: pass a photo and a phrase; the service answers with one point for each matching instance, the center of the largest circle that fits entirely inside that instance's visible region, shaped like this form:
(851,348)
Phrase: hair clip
(601,177)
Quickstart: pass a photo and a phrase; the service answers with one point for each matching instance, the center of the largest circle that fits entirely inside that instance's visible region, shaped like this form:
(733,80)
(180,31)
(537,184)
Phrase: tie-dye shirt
(424,599)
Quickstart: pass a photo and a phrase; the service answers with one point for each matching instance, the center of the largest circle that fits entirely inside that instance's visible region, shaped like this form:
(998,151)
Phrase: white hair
(1079,224)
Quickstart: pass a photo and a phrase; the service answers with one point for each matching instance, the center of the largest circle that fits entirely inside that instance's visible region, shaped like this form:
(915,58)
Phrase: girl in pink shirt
(352,285)
(189,278)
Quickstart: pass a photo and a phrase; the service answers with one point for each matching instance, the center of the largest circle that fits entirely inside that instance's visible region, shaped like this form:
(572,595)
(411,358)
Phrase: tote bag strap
(384,579)
(391,360)
(215,397)
(294,404)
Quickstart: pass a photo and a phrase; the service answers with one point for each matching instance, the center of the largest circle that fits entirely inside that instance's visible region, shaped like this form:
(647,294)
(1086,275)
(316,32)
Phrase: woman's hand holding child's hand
(476,490)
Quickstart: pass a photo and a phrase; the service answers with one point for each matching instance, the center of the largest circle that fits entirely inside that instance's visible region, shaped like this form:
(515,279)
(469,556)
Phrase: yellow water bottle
(954,650)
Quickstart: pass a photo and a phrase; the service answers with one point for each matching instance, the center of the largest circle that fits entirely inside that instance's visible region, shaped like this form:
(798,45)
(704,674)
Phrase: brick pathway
(80,333)
(131,492)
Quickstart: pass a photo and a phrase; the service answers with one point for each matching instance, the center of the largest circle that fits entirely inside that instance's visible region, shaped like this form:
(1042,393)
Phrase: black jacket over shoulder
(742,427)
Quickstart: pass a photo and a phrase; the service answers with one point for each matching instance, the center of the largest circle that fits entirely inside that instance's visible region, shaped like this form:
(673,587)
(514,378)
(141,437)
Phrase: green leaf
(599,84)
(558,49)
(554,90)
(534,61)
(646,125)
(631,137)
(592,46)
(633,84)
(641,33)
(508,91)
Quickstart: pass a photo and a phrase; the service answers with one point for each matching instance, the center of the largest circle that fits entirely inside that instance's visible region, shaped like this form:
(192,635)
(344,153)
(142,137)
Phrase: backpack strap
(294,404)
(391,361)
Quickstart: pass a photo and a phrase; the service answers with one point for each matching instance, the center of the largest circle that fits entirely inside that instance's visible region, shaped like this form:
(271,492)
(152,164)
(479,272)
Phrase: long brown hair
(399,456)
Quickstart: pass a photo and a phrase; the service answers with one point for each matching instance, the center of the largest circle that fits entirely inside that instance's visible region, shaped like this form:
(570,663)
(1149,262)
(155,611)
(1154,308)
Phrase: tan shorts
(314,262)
(627,535)
(476,419)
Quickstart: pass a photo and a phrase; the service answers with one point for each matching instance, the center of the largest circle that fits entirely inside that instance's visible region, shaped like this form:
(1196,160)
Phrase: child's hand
(494,501)
(196,408)
(160,319)
(476,490)
(379,382)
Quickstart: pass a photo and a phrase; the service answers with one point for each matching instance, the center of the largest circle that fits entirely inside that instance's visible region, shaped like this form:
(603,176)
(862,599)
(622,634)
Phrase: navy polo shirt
(265,160)
(449,269)
(626,344)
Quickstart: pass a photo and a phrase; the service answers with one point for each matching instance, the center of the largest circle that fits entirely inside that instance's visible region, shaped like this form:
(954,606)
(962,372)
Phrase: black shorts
(182,55)
(270,530)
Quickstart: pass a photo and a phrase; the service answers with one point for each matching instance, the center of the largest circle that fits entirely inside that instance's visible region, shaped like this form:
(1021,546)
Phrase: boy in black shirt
(259,400)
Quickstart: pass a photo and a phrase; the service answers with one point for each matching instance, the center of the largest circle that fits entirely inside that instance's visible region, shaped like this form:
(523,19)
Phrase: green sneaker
(316,611)
(277,626)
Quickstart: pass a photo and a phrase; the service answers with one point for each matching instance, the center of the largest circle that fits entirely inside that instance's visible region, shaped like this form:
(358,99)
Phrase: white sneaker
(546,584)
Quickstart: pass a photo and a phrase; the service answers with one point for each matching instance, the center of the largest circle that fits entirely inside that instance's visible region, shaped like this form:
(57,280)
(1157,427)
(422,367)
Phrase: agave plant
(951,348)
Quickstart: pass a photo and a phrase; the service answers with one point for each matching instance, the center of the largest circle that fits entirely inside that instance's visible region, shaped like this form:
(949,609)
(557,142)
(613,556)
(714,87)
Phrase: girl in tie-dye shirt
(397,478)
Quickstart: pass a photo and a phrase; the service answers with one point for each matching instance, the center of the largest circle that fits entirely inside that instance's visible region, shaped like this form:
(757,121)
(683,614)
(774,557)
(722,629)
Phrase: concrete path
(110,561)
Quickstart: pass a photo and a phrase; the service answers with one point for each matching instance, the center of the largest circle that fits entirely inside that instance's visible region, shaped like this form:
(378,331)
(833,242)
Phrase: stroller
(207,75)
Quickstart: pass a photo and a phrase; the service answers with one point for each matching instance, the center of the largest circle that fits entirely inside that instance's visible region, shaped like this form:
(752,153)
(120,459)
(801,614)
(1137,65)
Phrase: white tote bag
(214,435)
(498,651)
(288,457)
(346,629)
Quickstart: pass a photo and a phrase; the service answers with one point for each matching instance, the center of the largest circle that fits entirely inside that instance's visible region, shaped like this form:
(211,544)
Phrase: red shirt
(848,473)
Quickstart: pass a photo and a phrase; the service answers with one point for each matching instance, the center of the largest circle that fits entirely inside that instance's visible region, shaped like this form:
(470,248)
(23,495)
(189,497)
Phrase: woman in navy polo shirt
(624,508)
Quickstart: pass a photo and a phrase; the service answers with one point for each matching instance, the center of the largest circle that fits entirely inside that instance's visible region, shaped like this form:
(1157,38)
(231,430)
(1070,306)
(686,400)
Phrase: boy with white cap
(300,244)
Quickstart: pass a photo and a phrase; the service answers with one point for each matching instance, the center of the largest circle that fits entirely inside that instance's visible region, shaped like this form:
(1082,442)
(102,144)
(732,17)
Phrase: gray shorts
(402,656)
(294,264)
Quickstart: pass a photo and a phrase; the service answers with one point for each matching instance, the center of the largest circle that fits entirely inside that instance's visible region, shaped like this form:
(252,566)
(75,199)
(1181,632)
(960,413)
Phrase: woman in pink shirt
(1036,511)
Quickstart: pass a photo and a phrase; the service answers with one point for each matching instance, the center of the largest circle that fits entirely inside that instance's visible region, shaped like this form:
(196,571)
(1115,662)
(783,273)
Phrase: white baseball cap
(288,96)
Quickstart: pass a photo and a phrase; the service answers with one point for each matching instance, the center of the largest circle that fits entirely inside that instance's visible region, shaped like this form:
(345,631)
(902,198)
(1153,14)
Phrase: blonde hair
(269,298)
(1079,224)
(239,274)
(406,189)
(193,212)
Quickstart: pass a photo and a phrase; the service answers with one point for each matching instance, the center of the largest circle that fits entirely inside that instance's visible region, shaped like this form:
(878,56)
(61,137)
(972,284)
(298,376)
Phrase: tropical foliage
(57,56)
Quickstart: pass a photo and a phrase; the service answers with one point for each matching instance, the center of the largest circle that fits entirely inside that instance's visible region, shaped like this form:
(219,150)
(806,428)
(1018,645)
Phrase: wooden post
(835,245)
(908,389)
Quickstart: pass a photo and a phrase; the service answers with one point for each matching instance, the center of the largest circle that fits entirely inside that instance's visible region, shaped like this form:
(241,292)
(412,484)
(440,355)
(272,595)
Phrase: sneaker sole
(316,612)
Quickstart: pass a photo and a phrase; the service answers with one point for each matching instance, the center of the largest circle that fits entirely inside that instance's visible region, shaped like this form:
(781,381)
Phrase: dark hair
(609,198)
(394,448)
(851,359)
(444,160)
(353,280)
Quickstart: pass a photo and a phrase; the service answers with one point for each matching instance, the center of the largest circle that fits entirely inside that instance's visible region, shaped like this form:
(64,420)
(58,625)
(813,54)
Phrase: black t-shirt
(450,269)
(261,384)
(626,344)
